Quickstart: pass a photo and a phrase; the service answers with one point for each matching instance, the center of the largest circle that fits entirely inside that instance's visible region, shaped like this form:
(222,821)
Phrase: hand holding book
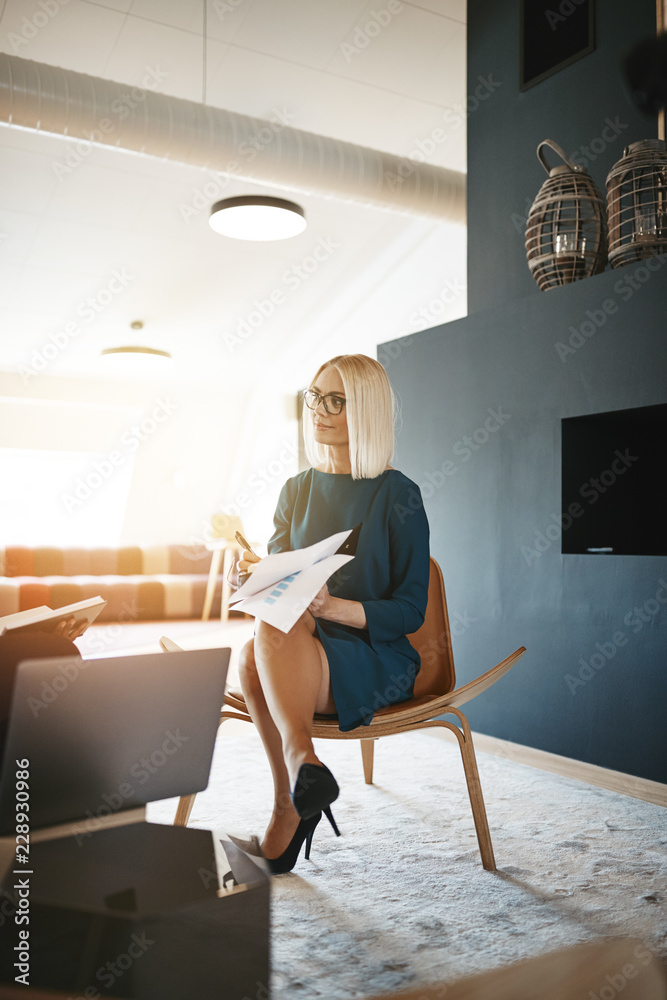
(70,621)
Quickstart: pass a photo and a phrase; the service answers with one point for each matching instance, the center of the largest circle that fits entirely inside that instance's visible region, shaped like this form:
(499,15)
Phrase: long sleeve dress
(373,667)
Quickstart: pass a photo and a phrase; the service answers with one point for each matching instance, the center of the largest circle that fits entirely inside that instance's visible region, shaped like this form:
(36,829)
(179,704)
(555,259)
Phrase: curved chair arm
(463,694)
(429,706)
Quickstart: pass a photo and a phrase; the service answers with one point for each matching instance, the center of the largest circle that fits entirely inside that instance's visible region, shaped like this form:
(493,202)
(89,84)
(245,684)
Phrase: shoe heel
(309,841)
(327,812)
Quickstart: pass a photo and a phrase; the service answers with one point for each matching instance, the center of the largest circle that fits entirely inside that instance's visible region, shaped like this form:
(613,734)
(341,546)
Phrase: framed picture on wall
(554,34)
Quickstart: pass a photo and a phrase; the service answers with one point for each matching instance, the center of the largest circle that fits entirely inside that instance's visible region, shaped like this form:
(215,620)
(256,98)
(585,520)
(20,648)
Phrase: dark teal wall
(574,107)
(482,402)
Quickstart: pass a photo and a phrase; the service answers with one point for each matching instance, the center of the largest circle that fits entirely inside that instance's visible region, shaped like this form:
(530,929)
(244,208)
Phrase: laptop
(108,735)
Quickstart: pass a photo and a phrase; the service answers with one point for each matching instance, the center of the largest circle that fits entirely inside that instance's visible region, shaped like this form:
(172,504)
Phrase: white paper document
(283,585)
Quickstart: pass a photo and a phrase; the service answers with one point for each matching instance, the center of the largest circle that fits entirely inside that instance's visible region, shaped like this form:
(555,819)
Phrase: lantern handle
(557,149)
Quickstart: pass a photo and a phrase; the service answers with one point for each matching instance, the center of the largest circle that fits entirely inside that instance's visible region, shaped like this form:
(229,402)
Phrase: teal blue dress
(373,667)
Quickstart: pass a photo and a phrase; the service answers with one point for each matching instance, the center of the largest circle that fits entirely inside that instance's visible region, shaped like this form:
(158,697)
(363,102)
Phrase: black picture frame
(554,34)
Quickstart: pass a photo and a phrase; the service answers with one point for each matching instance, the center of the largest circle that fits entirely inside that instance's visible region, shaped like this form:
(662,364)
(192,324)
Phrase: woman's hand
(246,561)
(337,609)
(321,603)
(70,628)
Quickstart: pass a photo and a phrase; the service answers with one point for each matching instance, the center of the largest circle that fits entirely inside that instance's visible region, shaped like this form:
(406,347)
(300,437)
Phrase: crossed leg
(285,680)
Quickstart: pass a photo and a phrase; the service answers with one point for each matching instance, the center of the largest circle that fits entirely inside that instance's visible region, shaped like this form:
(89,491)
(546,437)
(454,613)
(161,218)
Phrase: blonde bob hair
(370,409)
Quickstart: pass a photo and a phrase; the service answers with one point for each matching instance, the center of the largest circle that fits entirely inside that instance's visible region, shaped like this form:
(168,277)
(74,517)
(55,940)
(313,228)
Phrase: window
(62,498)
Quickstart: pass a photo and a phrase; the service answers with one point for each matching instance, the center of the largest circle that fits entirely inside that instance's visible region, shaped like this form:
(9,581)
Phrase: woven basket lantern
(566,232)
(637,199)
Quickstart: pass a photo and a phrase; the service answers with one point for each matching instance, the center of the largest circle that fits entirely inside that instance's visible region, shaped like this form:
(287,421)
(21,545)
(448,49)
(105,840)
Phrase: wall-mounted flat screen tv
(614,482)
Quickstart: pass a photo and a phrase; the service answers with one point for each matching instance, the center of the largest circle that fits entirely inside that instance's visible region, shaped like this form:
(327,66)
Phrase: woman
(348,654)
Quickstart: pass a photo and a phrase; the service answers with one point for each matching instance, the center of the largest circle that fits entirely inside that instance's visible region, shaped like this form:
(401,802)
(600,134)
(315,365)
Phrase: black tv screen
(614,482)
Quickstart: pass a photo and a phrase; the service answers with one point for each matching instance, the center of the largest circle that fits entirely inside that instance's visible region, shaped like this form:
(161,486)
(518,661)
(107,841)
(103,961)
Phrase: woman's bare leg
(266,727)
(275,651)
(294,675)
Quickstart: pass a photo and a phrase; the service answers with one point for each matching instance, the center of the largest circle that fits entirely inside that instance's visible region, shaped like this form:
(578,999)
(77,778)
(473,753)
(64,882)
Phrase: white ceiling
(64,234)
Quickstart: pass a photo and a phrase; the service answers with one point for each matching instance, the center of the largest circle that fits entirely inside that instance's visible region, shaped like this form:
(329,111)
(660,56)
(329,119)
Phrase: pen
(242,541)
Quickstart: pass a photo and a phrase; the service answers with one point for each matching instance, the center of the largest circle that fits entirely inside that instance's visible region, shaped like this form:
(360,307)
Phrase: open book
(282,586)
(45,619)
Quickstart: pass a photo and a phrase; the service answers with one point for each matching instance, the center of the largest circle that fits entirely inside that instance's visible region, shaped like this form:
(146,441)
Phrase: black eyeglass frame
(323,399)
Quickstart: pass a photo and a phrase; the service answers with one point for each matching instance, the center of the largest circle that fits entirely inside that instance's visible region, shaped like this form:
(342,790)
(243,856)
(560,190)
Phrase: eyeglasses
(332,403)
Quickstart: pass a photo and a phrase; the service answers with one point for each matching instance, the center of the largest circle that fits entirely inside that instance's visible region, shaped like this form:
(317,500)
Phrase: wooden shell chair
(434,696)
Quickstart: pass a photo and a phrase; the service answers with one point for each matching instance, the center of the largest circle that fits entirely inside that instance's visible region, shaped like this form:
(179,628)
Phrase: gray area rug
(401,899)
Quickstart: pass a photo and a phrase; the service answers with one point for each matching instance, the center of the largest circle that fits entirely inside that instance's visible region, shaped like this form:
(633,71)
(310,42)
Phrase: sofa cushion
(19,561)
(48,562)
(138,584)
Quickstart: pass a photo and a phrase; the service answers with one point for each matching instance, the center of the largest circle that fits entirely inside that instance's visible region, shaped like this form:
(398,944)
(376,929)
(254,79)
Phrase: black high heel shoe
(314,791)
(285,862)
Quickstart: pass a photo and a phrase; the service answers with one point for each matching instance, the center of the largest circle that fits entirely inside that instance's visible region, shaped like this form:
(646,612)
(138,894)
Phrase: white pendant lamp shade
(257,217)
(132,359)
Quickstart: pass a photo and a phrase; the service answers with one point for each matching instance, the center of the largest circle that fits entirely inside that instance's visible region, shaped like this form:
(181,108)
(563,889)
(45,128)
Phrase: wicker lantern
(566,232)
(637,200)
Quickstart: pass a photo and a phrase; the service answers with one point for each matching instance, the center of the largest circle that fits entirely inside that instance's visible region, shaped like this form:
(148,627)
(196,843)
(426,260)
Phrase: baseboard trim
(591,774)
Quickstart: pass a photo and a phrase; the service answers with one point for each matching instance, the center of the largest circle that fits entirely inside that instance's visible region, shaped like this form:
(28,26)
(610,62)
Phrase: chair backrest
(433,641)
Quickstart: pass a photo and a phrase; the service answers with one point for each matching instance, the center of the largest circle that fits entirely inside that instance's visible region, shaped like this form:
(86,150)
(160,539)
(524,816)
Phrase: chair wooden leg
(226,589)
(183,810)
(475,793)
(367,752)
(186,802)
(216,558)
(478,807)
